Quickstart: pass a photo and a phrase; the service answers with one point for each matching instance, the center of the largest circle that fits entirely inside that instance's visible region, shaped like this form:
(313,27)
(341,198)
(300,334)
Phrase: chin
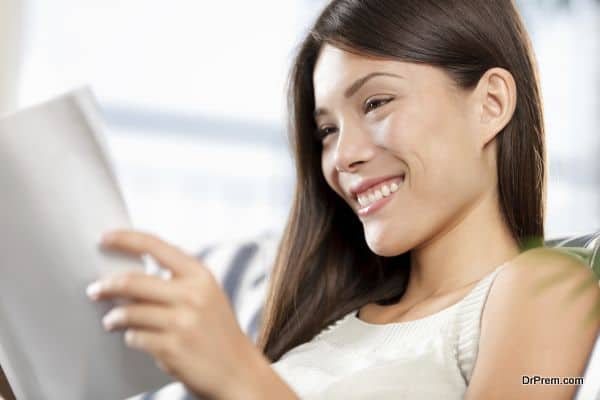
(386,246)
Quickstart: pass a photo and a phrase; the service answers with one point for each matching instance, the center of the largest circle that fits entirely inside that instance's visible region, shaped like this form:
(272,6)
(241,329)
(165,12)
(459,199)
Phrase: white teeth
(385,190)
(362,201)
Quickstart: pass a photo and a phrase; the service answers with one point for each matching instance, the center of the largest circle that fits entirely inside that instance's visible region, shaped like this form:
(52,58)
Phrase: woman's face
(410,126)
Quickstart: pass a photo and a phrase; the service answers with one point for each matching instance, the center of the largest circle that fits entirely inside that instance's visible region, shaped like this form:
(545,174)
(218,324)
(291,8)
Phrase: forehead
(336,69)
(335,66)
(334,57)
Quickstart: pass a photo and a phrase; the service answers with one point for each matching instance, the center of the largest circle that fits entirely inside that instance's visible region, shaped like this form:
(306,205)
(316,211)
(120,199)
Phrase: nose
(353,147)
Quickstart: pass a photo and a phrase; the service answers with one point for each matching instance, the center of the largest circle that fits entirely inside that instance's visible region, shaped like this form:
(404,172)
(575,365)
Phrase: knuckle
(204,273)
(135,238)
(153,240)
(172,320)
(168,350)
(184,321)
(123,281)
(163,352)
(124,315)
(194,299)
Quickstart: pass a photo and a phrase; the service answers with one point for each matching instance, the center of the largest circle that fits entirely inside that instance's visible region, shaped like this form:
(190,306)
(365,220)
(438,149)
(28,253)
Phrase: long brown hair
(324,268)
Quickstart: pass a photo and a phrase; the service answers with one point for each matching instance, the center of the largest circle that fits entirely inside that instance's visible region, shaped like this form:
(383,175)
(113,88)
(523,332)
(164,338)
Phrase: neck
(484,240)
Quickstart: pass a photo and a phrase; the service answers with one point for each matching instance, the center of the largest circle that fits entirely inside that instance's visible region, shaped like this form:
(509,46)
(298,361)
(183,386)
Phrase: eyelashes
(321,133)
(378,102)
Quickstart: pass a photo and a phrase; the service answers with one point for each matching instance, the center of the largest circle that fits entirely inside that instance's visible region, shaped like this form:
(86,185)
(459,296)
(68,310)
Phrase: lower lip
(372,208)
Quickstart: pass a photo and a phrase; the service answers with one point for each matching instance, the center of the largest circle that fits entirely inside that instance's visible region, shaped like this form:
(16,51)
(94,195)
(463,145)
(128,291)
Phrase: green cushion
(585,247)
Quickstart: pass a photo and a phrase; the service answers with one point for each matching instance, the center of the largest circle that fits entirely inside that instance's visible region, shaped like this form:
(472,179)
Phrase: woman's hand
(186,322)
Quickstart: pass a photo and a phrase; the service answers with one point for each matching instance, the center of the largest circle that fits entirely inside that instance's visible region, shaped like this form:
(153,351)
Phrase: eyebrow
(352,89)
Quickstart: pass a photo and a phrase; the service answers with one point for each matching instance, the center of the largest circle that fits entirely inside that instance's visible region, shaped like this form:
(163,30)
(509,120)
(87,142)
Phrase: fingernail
(111,319)
(93,289)
(130,337)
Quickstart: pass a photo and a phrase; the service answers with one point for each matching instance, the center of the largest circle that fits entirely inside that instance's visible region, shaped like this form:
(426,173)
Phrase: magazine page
(59,194)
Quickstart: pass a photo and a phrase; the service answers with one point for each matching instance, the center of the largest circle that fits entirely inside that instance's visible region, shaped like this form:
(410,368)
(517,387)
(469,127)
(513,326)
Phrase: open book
(58,195)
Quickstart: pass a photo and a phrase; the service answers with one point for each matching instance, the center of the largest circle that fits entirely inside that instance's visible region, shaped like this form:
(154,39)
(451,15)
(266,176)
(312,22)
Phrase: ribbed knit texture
(424,359)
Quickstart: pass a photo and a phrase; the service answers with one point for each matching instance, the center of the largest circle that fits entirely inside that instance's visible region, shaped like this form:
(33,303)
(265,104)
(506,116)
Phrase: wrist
(254,378)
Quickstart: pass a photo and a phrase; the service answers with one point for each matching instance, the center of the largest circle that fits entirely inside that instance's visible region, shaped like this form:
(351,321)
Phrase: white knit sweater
(424,359)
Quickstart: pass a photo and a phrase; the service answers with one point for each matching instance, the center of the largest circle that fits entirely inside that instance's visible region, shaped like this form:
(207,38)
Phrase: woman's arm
(530,330)
(257,381)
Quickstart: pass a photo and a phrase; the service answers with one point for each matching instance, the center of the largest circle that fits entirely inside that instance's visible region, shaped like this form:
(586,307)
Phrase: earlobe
(498,101)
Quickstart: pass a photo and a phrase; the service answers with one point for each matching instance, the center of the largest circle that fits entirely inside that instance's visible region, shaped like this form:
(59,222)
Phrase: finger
(139,243)
(157,344)
(139,316)
(135,285)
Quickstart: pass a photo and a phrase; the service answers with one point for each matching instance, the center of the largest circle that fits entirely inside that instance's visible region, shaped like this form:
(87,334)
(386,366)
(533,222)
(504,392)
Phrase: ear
(497,100)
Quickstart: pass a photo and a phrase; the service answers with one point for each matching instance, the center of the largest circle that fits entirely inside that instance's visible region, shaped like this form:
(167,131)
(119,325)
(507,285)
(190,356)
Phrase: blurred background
(192,93)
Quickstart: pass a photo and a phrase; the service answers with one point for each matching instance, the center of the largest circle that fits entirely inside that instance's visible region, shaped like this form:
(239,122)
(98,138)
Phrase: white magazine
(58,195)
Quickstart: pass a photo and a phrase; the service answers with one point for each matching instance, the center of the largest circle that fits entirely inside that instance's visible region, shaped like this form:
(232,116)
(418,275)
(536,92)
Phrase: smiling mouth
(378,196)
(379,191)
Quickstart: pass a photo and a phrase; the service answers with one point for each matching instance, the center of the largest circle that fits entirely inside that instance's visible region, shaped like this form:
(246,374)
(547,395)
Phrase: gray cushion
(255,257)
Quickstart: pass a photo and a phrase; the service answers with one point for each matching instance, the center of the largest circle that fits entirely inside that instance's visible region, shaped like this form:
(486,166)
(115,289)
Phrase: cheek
(436,155)
(452,171)
(401,131)
(389,132)
(326,166)
(328,170)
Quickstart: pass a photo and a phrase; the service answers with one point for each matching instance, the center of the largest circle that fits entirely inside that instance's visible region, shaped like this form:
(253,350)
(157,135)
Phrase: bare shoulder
(535,322)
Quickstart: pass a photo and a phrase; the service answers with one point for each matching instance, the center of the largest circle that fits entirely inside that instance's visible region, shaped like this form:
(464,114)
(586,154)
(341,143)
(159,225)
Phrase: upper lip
(365,184)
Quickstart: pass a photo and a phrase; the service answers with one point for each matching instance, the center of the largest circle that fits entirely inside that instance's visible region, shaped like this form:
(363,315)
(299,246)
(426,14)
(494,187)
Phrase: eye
(373,104)
(320,133)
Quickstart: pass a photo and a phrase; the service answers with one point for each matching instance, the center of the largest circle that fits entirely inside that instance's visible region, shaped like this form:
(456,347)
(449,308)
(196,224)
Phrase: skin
(443,138)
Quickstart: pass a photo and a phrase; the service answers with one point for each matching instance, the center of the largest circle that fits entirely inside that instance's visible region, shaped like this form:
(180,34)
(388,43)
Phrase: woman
(419,142)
